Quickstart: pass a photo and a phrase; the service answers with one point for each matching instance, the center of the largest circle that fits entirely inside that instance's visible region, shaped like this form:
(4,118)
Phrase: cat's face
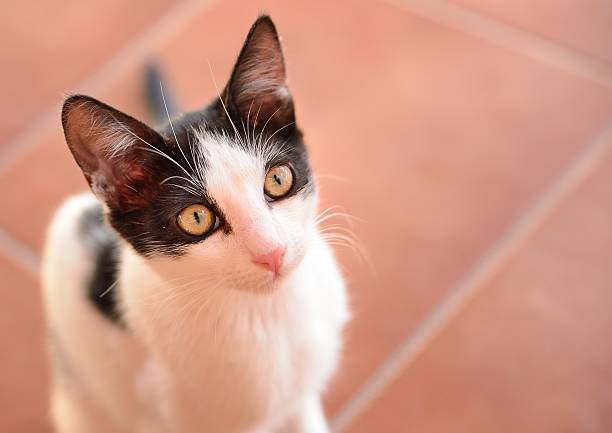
(254,237)
(224,194)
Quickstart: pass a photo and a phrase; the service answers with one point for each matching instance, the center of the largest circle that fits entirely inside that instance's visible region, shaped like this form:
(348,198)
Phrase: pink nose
(271,260)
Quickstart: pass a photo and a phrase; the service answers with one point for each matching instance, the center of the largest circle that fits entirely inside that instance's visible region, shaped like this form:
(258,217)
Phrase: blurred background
(473,138)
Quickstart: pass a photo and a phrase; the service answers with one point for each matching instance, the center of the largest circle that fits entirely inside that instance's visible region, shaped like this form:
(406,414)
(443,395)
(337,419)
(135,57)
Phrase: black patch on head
(101,242)
(148,182)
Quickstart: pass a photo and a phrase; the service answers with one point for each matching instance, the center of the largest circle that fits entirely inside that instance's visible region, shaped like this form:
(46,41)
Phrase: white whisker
(258,143)
(161,88)
(108,290)
(277,131)
(223,103)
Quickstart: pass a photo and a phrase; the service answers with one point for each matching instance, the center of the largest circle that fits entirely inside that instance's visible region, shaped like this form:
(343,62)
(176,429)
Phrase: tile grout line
(21,255)
(463,292)
(135,51)
(510,37)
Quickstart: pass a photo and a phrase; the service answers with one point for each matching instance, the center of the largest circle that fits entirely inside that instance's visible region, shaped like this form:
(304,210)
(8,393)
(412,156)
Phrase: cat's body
(236,329)
(237,366)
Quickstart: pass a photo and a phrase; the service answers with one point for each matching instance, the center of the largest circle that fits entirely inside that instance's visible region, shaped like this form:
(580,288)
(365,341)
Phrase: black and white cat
(193,291)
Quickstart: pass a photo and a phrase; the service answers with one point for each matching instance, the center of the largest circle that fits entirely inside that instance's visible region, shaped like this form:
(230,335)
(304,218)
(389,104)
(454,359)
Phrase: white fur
(214,343)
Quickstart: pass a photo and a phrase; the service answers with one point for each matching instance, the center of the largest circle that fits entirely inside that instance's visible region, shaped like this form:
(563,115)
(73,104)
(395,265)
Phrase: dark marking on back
(101,241)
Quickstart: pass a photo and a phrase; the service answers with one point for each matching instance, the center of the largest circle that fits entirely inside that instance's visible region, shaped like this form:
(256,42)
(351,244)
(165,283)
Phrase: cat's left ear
(257,90)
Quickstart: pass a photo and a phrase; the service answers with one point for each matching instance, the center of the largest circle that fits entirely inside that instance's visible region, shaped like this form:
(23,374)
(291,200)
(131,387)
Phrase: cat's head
(226,192)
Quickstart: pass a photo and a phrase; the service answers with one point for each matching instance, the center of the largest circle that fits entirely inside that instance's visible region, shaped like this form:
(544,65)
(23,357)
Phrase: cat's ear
(116,152)
(257,89)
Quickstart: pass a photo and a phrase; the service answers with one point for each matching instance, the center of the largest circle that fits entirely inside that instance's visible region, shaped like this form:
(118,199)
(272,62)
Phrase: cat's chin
(270,283)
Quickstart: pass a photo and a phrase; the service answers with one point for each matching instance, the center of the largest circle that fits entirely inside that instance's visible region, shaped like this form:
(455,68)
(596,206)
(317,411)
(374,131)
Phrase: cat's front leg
(309,418)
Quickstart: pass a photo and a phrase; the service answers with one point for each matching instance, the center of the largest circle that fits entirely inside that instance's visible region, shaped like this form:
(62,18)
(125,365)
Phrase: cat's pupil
(277,179)
(196,217)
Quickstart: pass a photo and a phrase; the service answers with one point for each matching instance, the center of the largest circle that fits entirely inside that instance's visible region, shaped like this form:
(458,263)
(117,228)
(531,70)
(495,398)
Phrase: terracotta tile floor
(58,44)
(476,162)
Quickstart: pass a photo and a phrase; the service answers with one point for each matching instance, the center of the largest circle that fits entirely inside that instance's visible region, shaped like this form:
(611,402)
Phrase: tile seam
(510,37)
(461,294)
(137,49)
(21,255)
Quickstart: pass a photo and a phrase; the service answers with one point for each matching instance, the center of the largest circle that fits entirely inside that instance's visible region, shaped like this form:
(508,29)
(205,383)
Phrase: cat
(193,290)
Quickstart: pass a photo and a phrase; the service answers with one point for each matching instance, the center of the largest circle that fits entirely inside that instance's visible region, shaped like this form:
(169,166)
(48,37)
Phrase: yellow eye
(279,180)
(196,220)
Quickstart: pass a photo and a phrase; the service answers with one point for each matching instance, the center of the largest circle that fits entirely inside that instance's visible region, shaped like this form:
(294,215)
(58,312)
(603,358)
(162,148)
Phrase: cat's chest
(262,372)
(282,352)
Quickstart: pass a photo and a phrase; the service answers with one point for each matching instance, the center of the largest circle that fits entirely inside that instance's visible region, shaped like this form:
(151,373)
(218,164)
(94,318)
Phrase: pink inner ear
(258,85)
(126,185)
(135,182)
(106,144)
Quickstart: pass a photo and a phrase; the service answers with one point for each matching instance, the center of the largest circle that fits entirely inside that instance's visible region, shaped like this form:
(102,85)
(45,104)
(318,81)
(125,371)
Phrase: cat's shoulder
(64,230)
(81,245)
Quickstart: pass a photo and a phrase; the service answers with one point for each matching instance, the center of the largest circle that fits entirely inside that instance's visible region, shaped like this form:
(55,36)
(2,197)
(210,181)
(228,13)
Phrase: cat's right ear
(118,154)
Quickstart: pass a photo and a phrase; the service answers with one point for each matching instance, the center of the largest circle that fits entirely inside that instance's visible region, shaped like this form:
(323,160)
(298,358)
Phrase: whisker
(275,152)
(347,218)
(341,235)
(248,135)
(174,177)
(223,103)
(104,293)
(161,88)
(256,120)
(186,188)
(352,243)
(336,210)
(277,131)
(264,127)
(156,150)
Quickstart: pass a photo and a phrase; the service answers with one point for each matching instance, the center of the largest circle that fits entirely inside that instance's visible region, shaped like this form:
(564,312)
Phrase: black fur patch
(101,242)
